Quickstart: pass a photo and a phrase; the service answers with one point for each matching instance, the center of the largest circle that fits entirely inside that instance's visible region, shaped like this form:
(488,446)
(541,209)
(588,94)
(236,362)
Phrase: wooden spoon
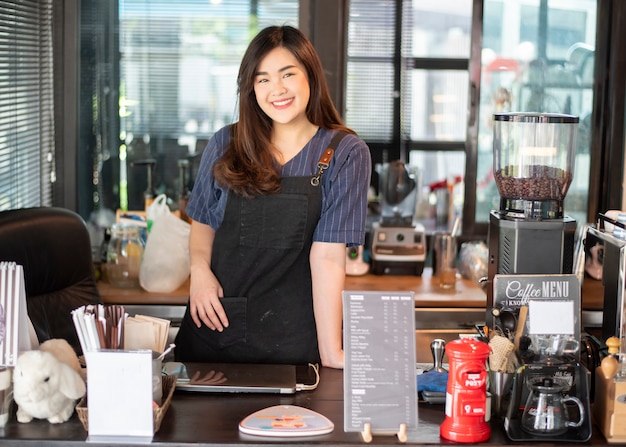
(521,323)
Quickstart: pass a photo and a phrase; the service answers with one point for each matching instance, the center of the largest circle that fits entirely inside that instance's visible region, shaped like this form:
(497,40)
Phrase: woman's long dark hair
(248,167)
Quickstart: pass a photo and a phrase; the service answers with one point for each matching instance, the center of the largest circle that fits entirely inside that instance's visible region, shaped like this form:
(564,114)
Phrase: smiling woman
(279,195)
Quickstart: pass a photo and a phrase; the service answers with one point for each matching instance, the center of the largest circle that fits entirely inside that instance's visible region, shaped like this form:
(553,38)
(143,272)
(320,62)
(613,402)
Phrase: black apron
(261,258)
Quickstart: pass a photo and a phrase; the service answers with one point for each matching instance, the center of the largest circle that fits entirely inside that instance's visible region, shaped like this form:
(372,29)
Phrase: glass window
(417,77)
(177,68)
(436,170)
(436,50)
(370,81)
(537,56)
(26,105)
(440,29)
(441,114)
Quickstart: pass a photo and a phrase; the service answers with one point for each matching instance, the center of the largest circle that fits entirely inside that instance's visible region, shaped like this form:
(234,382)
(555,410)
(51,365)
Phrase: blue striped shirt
(344,186)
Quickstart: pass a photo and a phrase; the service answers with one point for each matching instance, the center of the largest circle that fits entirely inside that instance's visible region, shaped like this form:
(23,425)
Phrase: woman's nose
(279,88)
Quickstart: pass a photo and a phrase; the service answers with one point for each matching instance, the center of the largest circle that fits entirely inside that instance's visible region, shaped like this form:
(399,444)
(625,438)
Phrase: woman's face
(282,87)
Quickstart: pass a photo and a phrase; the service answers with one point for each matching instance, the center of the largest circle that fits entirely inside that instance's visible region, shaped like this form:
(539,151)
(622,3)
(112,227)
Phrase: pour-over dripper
(533,167)
(553,349)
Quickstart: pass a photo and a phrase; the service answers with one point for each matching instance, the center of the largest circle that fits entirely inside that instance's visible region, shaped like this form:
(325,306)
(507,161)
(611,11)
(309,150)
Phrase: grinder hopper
(533,156)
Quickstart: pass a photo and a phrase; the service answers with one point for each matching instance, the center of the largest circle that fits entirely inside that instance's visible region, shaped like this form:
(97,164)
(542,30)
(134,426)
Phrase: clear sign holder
(367,434)
(380,385)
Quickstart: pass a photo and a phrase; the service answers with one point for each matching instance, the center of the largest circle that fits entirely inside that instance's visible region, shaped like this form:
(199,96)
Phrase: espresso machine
(533,166)
(398,242)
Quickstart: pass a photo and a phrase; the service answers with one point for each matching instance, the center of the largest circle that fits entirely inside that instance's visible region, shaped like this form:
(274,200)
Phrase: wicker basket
(169,385)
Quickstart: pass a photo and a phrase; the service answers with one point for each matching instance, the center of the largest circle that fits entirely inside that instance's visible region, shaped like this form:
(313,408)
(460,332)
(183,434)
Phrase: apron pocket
(275,221)
(236,311)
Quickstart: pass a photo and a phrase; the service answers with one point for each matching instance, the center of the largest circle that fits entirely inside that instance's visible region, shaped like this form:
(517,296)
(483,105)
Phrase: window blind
(370,87)
(26,104)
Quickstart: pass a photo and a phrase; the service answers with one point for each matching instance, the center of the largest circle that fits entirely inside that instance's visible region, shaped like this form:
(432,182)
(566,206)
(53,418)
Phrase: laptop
(240,377)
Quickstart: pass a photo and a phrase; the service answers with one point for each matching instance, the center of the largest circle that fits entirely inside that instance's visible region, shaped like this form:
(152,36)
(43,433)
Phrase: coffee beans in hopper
(538,182)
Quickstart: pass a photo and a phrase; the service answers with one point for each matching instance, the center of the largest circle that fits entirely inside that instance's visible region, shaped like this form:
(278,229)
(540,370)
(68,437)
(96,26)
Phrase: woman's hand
(204,300)
(205,290)
(334,359)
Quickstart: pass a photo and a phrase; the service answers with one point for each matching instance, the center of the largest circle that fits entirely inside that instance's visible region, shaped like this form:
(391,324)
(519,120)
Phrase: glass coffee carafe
(546,411)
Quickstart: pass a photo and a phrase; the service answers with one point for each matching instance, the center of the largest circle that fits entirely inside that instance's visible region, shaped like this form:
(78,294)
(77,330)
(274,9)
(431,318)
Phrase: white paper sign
(119,396)
(551,317)
(555,302)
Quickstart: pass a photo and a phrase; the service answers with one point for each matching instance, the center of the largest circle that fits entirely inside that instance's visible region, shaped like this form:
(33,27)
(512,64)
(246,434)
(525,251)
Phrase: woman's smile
(282,104)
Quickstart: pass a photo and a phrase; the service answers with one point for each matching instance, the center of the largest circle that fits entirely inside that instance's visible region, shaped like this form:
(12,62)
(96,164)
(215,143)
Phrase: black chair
(53,246)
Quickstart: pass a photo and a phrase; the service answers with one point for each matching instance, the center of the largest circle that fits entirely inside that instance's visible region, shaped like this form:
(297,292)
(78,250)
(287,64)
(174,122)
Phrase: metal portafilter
(437,347)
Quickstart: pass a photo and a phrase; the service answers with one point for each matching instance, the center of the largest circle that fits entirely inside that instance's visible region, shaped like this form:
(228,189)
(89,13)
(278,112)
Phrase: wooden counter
(439,313)
(427,292)
(426,288)
(212,419)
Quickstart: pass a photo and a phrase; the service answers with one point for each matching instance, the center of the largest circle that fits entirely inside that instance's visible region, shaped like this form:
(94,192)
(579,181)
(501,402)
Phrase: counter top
(426,288)
(427,291)
(212,419)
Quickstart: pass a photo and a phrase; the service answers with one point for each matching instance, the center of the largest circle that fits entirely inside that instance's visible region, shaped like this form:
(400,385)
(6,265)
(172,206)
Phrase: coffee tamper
(437,347)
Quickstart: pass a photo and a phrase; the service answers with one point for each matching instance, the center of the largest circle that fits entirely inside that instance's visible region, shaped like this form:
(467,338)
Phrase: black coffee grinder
(533,166)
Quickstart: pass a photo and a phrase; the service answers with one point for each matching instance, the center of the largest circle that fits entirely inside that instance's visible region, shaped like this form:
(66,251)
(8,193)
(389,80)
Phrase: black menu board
(553,301)
(380,387)
(544,312)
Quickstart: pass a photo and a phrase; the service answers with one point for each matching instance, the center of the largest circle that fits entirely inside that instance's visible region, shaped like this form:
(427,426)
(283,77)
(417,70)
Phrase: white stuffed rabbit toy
(46,383)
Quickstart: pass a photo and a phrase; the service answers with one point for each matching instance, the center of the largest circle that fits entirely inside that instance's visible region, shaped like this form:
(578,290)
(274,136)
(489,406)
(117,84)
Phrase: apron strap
(324,161)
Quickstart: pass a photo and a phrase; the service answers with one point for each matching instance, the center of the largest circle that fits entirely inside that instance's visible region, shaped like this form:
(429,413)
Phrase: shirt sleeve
(344,207)
(207,199)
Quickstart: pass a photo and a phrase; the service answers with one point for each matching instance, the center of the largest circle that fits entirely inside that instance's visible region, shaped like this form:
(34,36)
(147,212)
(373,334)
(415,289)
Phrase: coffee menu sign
(380,387)
(553,302)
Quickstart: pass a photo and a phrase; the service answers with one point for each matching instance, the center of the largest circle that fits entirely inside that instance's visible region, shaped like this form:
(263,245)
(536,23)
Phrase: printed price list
(380,385)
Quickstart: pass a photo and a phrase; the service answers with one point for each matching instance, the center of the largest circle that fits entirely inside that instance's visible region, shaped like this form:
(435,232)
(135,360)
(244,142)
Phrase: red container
(466,394)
